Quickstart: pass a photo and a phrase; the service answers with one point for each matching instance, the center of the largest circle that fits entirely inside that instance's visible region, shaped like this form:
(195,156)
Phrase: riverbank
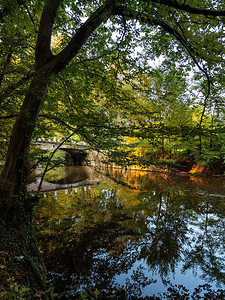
(186,167)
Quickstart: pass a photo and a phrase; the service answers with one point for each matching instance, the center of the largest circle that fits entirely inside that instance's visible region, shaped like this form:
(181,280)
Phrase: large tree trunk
(14,206)
(14,175)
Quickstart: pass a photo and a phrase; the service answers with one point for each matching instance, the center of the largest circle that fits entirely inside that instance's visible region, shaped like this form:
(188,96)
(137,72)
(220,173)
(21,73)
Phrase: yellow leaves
(56,41)
(2,267)
(16,59)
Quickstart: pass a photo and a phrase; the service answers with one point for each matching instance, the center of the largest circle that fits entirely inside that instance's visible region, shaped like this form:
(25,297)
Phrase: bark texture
(14,175)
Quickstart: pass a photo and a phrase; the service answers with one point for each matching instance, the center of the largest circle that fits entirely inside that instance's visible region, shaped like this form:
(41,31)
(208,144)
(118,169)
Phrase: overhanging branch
(4,94)
(188,8)
(43,51)
(145,18)
(84,32)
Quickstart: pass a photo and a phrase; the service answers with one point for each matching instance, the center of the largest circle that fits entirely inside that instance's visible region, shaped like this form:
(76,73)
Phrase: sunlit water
(148,234)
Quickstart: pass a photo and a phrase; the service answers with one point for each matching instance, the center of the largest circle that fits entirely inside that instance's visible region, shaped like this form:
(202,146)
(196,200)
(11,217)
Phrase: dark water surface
(153,235)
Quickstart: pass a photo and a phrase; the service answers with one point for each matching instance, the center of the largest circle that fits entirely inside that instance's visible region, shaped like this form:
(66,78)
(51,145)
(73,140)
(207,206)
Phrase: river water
(143,234)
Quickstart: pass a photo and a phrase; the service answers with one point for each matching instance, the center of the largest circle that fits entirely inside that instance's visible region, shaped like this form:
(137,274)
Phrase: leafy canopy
(111,81)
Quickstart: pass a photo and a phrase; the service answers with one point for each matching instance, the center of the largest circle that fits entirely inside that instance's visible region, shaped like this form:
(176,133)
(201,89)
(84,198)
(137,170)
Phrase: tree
(72,38)
(171,23)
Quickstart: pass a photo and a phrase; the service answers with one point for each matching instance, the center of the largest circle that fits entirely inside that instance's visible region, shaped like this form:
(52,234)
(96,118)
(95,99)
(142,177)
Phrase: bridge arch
(75,157)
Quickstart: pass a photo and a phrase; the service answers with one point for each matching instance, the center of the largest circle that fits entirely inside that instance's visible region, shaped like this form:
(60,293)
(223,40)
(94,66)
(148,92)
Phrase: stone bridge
(77,154)
(77,157)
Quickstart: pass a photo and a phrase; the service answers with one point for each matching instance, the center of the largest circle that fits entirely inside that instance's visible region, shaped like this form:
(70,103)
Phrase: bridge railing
(50,144)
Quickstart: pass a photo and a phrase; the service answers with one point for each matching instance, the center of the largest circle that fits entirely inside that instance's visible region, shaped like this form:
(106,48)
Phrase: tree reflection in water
(92,238)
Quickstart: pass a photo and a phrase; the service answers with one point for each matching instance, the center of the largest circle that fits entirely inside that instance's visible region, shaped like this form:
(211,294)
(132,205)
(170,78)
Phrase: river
(143,234)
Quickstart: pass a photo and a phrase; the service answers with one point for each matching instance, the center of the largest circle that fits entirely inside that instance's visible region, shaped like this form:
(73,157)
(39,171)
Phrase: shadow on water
(159,237)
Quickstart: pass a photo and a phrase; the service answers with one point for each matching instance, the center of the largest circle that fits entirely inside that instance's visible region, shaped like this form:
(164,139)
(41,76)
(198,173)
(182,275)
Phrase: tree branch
(84,32)
(58,120)
(5,64)
(43,51)
(8,117)
(30,15)
(7,92)
(182,40)
(51,156)
(189,9)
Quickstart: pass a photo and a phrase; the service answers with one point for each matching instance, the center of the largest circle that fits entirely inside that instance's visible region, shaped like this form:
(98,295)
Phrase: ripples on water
(152,235)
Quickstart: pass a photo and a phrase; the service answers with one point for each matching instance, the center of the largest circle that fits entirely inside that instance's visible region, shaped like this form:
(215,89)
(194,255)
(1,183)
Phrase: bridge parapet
(50,145)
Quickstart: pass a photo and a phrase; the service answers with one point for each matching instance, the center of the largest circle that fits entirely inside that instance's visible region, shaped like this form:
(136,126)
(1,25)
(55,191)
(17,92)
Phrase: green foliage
(109,89)
(90,294)
(14,291)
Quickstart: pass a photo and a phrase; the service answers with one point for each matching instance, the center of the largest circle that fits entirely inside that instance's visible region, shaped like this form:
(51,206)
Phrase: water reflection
(135,239)
(64,178)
